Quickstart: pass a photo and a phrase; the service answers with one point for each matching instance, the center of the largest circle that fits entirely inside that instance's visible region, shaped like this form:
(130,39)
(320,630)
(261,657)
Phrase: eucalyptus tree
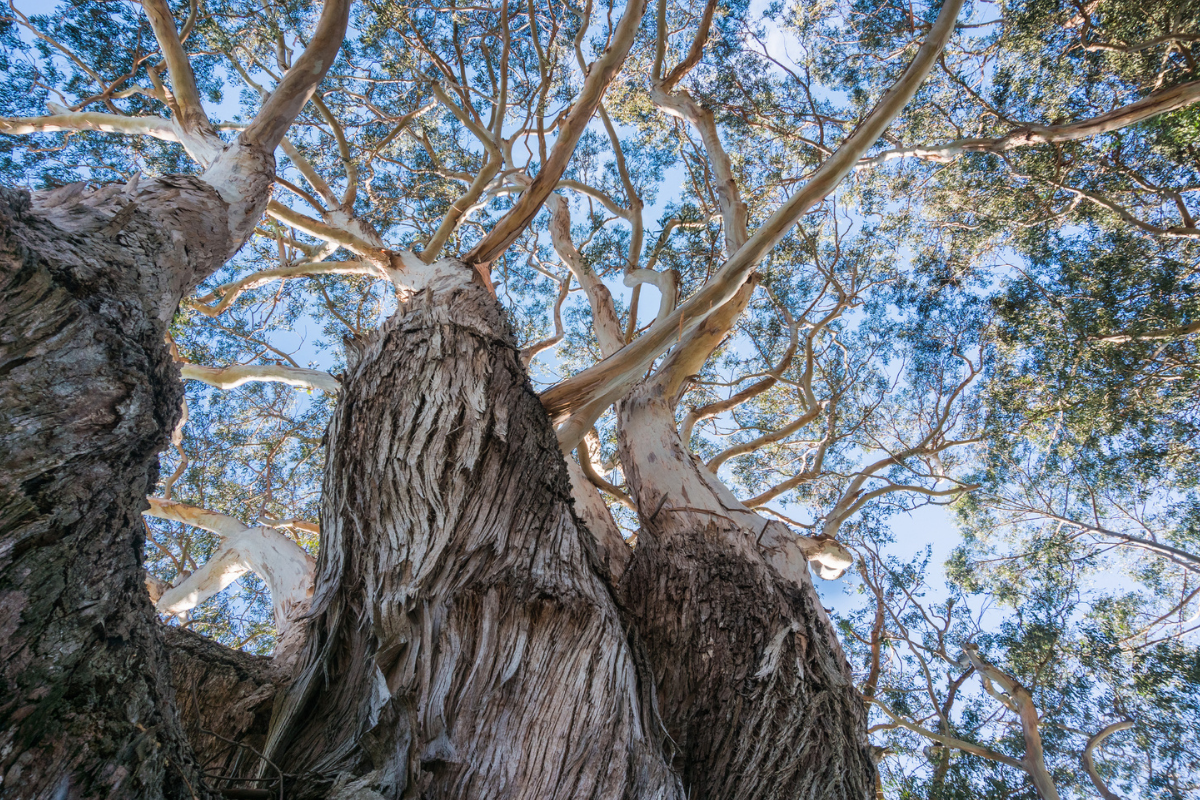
(475,623)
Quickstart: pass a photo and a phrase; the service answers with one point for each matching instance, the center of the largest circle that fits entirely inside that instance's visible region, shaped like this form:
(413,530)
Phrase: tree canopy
(985,298)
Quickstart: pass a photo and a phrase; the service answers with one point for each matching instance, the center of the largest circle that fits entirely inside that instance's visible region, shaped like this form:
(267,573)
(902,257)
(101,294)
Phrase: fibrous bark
(88,397)
(752,684)
(462,643)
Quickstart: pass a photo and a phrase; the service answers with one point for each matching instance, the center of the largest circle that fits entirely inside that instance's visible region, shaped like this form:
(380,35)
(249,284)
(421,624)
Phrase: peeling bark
(752,683)
(462,644)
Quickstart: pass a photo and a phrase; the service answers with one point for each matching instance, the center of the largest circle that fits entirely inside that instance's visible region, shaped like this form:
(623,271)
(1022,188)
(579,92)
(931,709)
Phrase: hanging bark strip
(462,643)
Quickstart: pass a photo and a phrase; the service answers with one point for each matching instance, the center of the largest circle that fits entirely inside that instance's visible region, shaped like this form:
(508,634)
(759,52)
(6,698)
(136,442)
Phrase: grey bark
(462,643)
(88,397)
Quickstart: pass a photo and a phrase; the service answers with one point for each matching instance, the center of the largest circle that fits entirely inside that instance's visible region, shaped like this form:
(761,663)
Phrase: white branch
(238,374)
(665,282)
(229,292)
(1089,762)
(1018,699)
(282,564)
(64,120)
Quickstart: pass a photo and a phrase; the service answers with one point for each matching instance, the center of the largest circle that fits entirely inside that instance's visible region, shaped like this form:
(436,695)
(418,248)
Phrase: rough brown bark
(88,397)
(462,643)
(224,698)
(752,683)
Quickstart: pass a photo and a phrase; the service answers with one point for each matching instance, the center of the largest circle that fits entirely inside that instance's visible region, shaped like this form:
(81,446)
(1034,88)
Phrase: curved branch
(212,521)
(329,233)
(761,441)
(1020,701)
(531,352)
(1089,762)
(589,470)
(604,313)
(695,51)
(236,375)
(229,292)
(665,282)
(282,564)
(948,741)
(185,103)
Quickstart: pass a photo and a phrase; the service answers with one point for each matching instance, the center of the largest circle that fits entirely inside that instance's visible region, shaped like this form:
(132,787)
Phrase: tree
(476,623)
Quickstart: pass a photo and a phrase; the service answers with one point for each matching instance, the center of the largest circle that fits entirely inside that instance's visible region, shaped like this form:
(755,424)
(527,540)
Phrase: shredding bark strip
(462,643)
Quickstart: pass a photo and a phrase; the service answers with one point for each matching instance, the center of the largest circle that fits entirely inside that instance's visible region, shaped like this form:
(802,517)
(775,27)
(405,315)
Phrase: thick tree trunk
(752,683)
(225,698)
(462,644)
(88,397)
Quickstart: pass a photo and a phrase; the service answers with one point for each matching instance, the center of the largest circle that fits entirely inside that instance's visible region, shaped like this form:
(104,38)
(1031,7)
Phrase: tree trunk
(752,683)
(88,397)
(225,698)
(462,644)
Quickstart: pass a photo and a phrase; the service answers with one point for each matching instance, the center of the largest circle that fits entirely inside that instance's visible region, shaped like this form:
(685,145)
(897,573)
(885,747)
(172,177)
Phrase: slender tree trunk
(88,397)
(752,683)
(462,644)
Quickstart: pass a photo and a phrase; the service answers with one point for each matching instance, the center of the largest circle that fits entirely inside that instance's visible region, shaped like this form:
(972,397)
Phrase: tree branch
(64,120)
(1089,762)
(576,403)
(236,375)
(227,293)
(297,87)
(599,75)
(185,106)
(1153,105)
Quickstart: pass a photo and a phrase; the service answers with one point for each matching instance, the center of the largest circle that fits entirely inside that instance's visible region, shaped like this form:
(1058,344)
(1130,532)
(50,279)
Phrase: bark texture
(88,397)
(752,683)
(224,697)
(462,644)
